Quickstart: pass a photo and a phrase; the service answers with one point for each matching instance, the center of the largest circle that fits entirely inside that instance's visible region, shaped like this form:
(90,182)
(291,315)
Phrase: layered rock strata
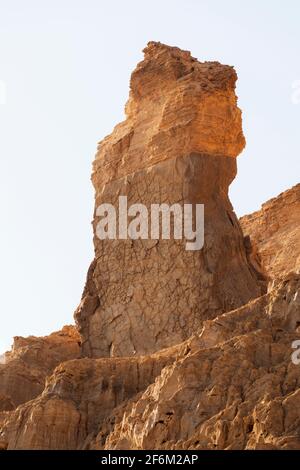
(177,145)
(24,369)
(180,349)
(232,385)
(275,232)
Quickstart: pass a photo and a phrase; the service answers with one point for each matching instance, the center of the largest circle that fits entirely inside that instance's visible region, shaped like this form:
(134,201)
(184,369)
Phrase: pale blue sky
(66,66)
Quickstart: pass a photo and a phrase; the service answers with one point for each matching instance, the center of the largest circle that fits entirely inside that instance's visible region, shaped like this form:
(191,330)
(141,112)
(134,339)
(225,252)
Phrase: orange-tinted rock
(237,388)
(24,369)
(274,232)
(76,400)
(177,144)
(205,354)
(177,106)
(230,386)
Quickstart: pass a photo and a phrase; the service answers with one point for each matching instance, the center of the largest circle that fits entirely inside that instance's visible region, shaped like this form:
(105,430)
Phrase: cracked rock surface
(172,349)
(177,145)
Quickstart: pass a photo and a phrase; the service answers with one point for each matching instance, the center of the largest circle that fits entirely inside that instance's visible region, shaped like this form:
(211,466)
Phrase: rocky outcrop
(180,349)
(236,388)
(24,369)
(274,233)
(77,398)
(177,145)
(230,386)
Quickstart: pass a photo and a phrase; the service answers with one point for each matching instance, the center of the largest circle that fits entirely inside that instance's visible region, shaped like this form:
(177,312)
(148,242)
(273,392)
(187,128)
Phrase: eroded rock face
(230,386)
(176,106)
(24,369)
(274,231)
(184,350)
(76,400)
(236,389)
(177,145)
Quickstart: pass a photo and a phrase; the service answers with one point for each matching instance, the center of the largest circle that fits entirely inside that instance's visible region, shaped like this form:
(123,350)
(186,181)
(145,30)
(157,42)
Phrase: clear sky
(64,73)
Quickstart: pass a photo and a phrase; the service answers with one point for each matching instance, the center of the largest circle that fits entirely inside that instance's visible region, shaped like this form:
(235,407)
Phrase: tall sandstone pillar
(178,144)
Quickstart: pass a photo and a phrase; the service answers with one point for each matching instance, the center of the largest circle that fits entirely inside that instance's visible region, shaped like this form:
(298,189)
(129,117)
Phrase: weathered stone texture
(180,349)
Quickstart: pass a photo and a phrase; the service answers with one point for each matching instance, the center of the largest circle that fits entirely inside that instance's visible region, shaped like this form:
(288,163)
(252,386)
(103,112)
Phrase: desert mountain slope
(173,349)
(275,232)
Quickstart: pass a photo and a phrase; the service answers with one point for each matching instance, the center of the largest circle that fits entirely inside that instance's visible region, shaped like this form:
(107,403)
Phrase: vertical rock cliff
(178,144)
(274,231)
(23,370)
(178,349)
